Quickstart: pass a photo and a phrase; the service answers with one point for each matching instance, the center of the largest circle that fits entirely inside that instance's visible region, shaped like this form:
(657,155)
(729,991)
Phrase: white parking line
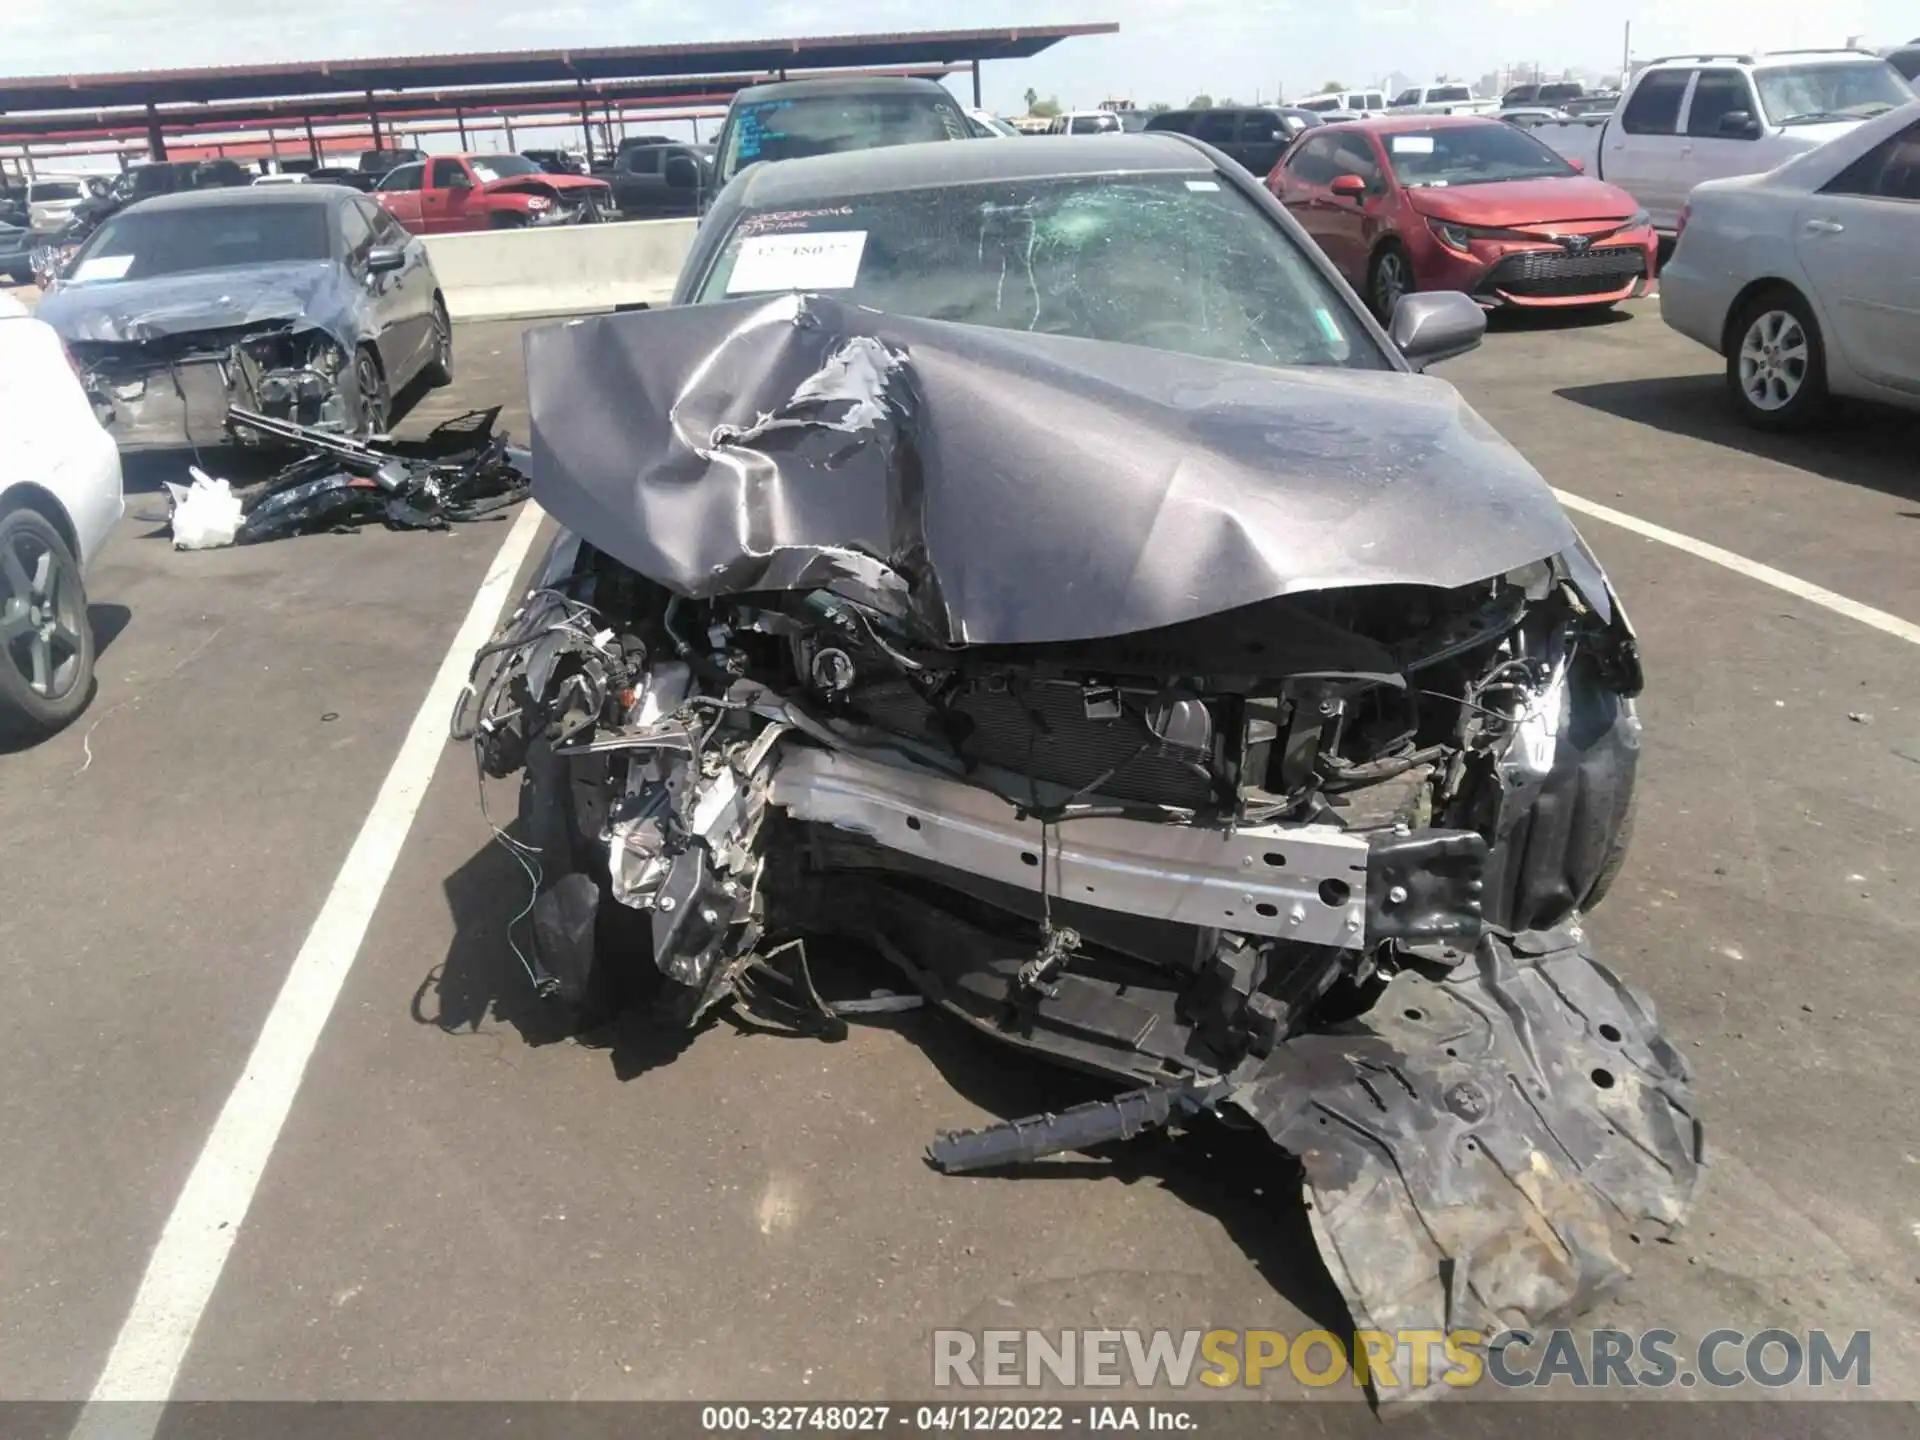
(1752,569)
(199,1234)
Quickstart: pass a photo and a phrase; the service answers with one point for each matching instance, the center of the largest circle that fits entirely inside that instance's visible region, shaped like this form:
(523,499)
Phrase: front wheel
(1776,365)
(373,403)
(46,642)
(439,371)
(1389,276)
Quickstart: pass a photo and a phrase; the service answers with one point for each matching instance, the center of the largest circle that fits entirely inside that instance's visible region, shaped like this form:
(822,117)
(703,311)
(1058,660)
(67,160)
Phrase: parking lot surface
(463,1204)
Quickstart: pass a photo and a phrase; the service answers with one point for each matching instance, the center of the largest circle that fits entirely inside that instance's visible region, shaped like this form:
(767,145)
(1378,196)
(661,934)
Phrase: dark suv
(794,118)
(1255,137)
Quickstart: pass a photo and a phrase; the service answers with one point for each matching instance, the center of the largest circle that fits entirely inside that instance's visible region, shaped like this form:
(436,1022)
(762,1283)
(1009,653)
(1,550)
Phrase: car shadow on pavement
(1236,1176)
(1859,445)
(1579,317)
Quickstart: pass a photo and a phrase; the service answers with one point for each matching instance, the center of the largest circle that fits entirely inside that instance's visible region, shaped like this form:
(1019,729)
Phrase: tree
(1032,98)
(1200,102)
(1044,109)
(1332,87)
(1227,102)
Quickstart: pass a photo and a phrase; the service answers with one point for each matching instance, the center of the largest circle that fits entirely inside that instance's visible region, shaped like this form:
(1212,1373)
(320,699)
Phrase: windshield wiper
(1814,117)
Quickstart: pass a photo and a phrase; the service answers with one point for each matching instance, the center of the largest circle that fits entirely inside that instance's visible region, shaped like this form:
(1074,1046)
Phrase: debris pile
(461,471)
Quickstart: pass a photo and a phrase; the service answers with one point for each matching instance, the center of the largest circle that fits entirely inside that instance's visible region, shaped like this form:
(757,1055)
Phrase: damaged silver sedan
(309,304)
(1053,582)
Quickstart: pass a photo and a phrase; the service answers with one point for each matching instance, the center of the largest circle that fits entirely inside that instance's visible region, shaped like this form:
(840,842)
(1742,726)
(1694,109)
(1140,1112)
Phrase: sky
(1167,50)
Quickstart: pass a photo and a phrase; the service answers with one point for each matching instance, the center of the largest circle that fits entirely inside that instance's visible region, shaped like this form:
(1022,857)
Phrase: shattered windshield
(1808,94)
(141,245)
(826,124)
(1471,155)
(1176,262)
(488,168)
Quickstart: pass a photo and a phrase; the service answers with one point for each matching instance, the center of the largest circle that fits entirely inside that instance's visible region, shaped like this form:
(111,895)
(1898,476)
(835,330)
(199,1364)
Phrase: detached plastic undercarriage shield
(1254,739)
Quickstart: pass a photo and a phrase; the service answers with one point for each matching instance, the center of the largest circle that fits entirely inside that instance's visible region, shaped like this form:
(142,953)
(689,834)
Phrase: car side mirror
(1435,325)
(384,258)
(1350,187)
(682,172)
(1738,125)
(1578,164)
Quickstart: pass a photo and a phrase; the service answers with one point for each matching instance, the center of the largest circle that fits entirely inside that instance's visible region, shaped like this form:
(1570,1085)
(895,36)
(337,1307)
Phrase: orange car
(488,192)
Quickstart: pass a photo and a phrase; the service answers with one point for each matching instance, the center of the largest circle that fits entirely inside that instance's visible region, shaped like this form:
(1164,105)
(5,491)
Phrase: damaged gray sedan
(1031,565)
(309,304)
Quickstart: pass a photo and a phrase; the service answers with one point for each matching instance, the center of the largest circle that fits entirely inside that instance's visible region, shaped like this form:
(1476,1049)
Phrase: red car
(488,192)
(1460,202)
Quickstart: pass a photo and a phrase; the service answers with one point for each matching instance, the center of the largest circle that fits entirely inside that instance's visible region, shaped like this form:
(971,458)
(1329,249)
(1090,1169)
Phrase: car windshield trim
(1178,261)
(1820,93)
(798,126)
(502,167)
(138,245)
(1453,156)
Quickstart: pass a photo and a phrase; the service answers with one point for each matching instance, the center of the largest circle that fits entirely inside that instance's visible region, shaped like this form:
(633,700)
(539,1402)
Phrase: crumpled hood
(313,291)
(1524,202)
(1002,487)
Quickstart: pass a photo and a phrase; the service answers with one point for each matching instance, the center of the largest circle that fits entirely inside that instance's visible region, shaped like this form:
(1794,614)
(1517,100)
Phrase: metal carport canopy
(400,73)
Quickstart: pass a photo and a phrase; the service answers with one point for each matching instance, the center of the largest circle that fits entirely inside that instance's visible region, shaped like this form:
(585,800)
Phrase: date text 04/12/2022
(942,1419)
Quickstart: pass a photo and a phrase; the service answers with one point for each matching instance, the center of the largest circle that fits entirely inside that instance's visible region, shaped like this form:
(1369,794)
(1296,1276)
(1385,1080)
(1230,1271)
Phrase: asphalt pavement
(464,1204)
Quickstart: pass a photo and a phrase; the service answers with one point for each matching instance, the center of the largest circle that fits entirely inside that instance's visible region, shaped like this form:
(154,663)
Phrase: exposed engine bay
(182,385)
(1306,857)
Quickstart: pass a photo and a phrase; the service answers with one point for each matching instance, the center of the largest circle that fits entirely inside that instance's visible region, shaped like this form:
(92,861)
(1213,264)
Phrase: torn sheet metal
(1485,1153)
(1014,487)
(461,471)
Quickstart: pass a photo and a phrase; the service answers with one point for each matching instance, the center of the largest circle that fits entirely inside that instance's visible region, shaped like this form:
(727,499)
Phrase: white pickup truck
(1690,118)
(1441,100)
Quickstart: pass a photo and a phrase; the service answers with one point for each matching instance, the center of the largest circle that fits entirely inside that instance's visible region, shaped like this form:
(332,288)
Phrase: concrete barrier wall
(565,270)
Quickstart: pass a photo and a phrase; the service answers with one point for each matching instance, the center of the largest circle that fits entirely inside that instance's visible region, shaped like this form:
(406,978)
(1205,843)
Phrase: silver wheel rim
(1390,283)
(1774,355)
(39,616)
(443,337)
(373,405)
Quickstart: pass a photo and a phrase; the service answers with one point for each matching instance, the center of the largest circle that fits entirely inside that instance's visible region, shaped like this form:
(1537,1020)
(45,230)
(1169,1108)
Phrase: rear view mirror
(1738,125)
(1436,325)
(1350,187)
(382,258)
(682,172)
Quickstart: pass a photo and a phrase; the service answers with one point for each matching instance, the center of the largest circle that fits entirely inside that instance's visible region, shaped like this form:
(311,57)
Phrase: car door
(1858,240)
(1260,141)
(1218,129)
(1333,221)
(447,200)
(403,297)
(642,184)
(1640,151)
(398,193)
(1722,130)
(356,242)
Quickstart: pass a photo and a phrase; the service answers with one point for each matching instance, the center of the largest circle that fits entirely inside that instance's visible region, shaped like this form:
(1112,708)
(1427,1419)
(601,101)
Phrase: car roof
(849,85)
(938,163)
(230,196)
(1388,124)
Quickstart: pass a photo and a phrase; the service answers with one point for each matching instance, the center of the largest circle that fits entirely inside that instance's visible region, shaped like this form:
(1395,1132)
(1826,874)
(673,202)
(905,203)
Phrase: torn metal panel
(1021,487)
(1483,1153)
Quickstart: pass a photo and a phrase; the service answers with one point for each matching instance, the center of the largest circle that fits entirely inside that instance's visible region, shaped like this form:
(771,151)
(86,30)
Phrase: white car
(1807,278)
(59,500)
(1695,118)
(284,177)
(52,199)
(992,124)
(1346,104)
(1086,122)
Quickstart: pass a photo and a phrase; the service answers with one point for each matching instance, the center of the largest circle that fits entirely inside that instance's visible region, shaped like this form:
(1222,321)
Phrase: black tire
(439,369)
(1777,362)
(1389,260)
(373,401)
(509,220)
(46,642)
